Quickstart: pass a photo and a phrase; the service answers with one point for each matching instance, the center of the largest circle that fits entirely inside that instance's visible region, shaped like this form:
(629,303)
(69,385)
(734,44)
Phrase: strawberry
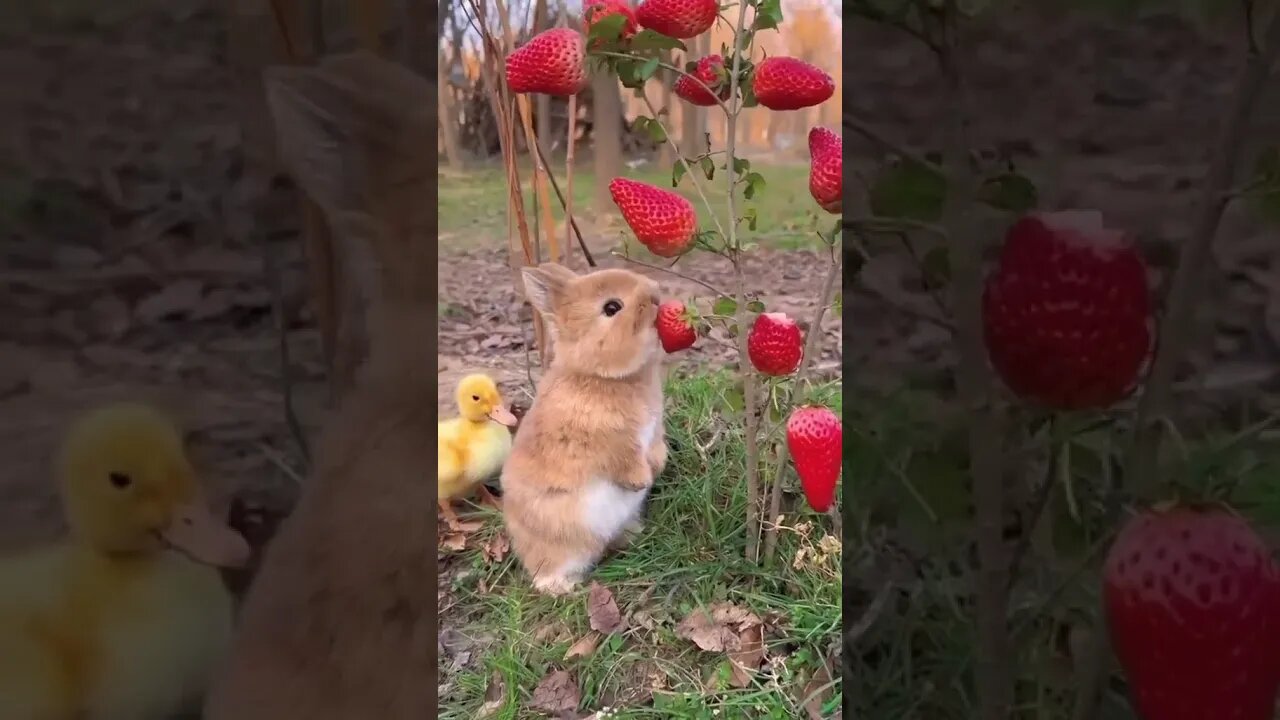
(1066,313)
(553,62)
(1190,596)
(675,326)
(774,344)
(711,71)
(814,437)
(784,83)
(663,221)
(826,167)
(596,10)
(680,19)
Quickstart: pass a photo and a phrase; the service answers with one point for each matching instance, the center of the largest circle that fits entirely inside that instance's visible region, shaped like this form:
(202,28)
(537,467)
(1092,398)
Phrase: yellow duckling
(472,447)
(111,624)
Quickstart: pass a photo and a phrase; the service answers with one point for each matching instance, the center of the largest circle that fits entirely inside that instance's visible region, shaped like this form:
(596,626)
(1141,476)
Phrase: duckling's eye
(612,307)
(120,480)
(475,398)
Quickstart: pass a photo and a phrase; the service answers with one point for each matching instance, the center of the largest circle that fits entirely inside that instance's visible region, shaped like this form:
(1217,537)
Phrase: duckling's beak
(196,533)
(501,415)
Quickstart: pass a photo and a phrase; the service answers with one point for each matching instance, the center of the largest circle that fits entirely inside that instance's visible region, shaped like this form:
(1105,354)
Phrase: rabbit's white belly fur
(606,507)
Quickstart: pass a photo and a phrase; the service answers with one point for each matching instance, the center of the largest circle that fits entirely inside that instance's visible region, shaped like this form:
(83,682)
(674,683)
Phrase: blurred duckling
(472,447)
(125,619)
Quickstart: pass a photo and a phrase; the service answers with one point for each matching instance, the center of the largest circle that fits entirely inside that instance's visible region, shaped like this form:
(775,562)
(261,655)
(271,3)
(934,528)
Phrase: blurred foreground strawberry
(815,440)
(675,326)
(663,221)
(1191,600)
(681,19)
(1066,313)
(711,71)
(774,345)
(553,62)
(826,169)
(784,83)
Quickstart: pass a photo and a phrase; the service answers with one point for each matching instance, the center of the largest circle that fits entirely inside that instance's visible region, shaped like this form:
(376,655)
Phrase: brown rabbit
(337,623)
(589,448)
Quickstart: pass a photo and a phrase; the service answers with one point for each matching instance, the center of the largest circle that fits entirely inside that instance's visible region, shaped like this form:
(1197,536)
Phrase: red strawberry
(678,18)
(774,344)
(553,62)
(826,164)
(1066,313)
(663,221)
(784,83)
(675,327)
(1190,595)
(711,72)
(596,10)
(815,438)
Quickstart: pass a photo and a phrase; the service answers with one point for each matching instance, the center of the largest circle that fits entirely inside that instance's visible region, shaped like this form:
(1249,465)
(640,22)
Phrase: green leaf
(649,67)
(751,217)
(656,131)
(1009,191)
(908,190)
(839,303)
(650,40)
(741,165)
(734,398)
(755,183)
(708,167)
(677,172)
(732,330)
(724,306)
(748,94)
(768,15)
(606,30)
(755,306)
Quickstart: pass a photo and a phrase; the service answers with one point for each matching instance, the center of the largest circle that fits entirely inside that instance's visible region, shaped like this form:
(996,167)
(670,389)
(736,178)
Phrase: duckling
(472,447)
(124,619)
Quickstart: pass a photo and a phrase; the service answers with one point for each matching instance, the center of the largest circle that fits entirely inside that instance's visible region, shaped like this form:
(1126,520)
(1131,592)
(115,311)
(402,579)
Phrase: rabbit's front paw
(657,457)
(638,476)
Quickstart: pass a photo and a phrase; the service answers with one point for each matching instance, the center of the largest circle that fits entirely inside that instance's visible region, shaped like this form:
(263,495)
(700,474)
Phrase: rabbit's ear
(545,286)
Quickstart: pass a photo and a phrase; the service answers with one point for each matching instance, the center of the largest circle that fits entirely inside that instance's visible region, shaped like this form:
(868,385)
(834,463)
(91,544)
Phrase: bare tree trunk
(444,93)
(666,157)
(606,135)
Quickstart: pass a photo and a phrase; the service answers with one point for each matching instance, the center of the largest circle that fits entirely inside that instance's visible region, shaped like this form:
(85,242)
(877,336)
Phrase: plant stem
(573,222)
(875,136)
(669,271)
(812,344)
(749,380)
(973,381)
(1175,330)
(688,171)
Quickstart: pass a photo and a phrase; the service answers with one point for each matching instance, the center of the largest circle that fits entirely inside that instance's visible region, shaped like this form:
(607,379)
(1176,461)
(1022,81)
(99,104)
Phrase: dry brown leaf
(818,691)
(494,696)
(557,693)
(746,659)
(702,630)
(497,547)
(730,614)
(603,610)
(584,647)
(454,541)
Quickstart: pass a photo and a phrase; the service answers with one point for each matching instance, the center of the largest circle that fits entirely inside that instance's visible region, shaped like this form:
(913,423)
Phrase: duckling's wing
(450,464)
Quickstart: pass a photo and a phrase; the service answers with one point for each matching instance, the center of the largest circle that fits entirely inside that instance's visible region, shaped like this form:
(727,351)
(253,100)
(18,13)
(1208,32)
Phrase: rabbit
(591,445)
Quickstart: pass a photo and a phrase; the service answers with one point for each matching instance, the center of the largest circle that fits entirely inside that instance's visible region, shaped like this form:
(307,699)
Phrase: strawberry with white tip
(775,345)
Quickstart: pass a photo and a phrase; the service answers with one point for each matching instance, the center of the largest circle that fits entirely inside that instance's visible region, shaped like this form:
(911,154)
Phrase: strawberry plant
(774,355)
(1064,368)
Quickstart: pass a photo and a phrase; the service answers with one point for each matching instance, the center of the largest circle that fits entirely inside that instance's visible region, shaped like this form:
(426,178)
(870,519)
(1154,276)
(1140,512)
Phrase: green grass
(473,206)
(690,555)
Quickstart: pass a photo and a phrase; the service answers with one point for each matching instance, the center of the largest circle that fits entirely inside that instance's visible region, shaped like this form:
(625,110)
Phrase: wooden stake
(568,170)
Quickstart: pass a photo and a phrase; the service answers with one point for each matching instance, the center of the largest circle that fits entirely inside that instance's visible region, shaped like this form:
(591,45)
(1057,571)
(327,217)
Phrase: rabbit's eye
(612,307)
(120,480)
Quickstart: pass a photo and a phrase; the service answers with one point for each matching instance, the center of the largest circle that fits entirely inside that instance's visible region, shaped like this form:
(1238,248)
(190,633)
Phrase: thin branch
(861,127)
(573,222)
(1184,295)
(669,271)
(812,344)
(688,170)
